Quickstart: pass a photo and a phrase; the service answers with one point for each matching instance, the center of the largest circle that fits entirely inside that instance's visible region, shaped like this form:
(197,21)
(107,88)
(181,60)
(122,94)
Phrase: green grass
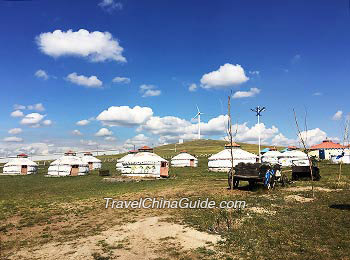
(312,230)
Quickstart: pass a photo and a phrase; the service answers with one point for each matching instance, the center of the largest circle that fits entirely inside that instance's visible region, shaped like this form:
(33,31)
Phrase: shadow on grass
(340,206)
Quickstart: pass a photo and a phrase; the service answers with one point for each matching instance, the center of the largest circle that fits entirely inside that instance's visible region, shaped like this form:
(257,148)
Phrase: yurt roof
(90,158)
(233,144)
(237,155)
(327,144)
(69,160)
(126,157)
(293,153)
(22,155)
(184,156)
(20,161)
(272,154)
(145,157)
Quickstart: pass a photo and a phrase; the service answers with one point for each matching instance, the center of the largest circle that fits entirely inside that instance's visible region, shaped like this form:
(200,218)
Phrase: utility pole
(258,110)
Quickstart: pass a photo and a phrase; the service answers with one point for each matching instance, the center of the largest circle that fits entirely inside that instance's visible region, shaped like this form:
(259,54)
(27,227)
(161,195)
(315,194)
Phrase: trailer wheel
(235,183)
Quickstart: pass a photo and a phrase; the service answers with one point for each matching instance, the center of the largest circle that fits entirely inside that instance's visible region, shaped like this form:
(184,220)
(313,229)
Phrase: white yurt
(221,162)
(93,162)
(20,165)
(344,159)
(119,165)
(68,165)
(184,159)
(146,164)
(271,156)
(293,157)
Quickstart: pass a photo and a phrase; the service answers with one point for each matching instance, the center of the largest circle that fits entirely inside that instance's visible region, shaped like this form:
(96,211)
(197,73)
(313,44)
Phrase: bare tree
(345,139)
(305,147)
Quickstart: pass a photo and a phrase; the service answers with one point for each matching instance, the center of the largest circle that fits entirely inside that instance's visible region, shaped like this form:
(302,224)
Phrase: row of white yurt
(271,156)
(343,158)
(145,163)
(221,162)
(293,157)
(93,162)
(68,165)
(20,165)
(184,159)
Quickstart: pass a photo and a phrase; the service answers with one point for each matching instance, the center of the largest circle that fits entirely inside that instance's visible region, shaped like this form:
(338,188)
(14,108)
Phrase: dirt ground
(139,240)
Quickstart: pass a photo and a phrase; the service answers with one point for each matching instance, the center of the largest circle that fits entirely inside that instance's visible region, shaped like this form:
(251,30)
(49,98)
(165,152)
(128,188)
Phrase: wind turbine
(199,122)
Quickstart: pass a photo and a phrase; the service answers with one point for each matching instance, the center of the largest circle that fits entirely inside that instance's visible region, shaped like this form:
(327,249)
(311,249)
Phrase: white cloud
(47,122)
(17,113)
(110,138)
(88,142)
(149,90)
(254,72)
(83,122)
(313,136)
(122,80)
(13,139)
(338,115)
(125,116)
(32,119)
(296,58)
(15,131)
(244,94)
(137,141)
(76,132)
(104,132)
(96,46)
(226,76)
(110,5)
(18,107)
(317,94)
(41,74)
(192,87)
(37,107)
(90,82)
(281,140)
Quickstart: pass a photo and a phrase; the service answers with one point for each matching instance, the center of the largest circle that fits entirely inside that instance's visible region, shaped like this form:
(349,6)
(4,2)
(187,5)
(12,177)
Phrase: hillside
(198,147)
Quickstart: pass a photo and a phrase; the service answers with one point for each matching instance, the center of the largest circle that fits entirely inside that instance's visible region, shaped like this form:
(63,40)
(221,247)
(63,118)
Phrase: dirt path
(148,238)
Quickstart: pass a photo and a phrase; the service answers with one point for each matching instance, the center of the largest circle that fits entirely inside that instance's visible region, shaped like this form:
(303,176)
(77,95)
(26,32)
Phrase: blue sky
(295,53)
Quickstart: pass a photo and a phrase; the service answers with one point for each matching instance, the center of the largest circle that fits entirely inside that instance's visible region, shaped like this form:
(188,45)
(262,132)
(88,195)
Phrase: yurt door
(74,170)
(163,169)
(90,166)
(24,169)
(191,162)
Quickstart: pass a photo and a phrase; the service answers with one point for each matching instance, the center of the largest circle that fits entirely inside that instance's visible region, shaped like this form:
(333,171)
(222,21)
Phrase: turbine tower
(199,122)
(258,110)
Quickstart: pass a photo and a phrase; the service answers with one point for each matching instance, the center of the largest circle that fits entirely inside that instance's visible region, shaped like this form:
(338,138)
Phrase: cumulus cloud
(47,122)
(13,139)
(281,140)
(32,119)
(137,141)
(17,113)
(125,116)
(37,107)
(76,132)
(245,94)
(122,80)
(226,76)
(90,82)
(83,122)
(18,107)
(41,74)
(149,90)
(192,87)
(317,94)
(15,131)
(110,5)
(338,115)
(254,72)
(88,142)
(104,132)
(96,46)
(110,138)
(313,136)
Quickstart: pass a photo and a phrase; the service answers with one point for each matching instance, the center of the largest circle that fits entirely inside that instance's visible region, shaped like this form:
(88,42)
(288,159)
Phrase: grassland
(36,210)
